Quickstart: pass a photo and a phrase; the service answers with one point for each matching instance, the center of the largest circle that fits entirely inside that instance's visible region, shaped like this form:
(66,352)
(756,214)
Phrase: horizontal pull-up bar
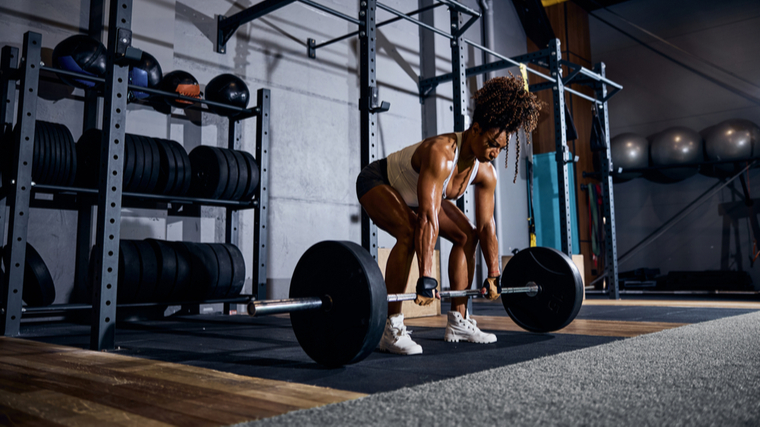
(332,12)
(415,21)
(461,8)
(579,69)
(379,24)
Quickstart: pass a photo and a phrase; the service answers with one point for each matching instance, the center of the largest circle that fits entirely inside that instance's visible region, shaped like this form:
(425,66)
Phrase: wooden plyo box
(577,260)
(409,308)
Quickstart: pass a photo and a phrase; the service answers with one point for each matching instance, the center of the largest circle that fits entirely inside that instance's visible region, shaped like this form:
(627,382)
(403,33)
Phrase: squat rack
(549,58)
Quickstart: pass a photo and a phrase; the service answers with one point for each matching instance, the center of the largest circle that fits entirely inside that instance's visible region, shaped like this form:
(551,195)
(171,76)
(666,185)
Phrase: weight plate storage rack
(20,76)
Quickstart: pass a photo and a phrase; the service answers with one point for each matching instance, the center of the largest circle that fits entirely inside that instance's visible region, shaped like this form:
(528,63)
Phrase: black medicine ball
(81,54)
(182,83)
(145,73)
(227,89)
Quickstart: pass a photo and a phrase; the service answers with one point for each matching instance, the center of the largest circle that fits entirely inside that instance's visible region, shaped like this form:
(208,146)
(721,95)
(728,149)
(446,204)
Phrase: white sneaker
(396,338)
(465,329)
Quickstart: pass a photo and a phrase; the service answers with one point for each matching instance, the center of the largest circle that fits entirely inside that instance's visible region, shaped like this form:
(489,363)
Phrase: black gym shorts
(374,174)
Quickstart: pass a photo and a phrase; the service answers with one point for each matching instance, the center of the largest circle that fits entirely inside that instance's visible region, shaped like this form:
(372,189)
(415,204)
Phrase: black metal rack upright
(108,196)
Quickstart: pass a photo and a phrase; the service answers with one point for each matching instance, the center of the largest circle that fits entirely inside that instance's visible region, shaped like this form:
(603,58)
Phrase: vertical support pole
(19,192)
(232,216)
(110,184)
(89,121)
(427,70)
(260,216)
(558,94)
(608,196)
(8,62)
(458,85)
(368,84)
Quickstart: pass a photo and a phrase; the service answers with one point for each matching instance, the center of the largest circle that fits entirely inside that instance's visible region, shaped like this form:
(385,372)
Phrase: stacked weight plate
(151,165)
(158,271)
(54,161)
(39,289)
(221,173)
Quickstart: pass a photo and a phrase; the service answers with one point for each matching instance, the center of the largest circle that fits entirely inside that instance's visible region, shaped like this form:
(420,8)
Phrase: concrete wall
(315,119)
(658,94)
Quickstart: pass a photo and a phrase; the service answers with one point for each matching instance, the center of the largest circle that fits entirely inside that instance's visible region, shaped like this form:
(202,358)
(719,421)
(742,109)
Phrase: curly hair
(504,104)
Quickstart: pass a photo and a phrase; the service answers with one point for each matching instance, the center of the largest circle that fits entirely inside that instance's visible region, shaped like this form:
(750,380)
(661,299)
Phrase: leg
(389,211)
(456,227)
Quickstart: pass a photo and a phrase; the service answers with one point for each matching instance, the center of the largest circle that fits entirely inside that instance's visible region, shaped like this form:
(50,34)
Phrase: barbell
(338,302)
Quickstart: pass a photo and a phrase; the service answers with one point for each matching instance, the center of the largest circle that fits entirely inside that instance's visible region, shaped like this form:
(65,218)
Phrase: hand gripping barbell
(338,301)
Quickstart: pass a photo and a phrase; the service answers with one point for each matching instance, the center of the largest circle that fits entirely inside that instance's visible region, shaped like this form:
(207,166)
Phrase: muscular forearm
(490,247)
(425,236)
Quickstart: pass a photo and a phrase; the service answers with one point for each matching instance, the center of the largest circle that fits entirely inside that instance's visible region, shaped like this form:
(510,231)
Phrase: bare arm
(434,168)
(485,186)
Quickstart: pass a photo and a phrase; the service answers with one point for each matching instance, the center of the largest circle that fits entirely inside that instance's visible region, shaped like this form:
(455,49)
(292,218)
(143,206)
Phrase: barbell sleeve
(289,305)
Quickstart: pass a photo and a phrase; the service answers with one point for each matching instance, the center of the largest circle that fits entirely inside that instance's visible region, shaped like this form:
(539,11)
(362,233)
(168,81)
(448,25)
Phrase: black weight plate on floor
(351,328)
(182,286)
(209,172)
(253,176)
(148,272)
(166,258)
(561,289)
(154,165)
(88,158)
(129,163)
(242,181)
(129,272)
(39,289)
(233,176)
(224,263)
(168,167)
(238,270)
(139,176)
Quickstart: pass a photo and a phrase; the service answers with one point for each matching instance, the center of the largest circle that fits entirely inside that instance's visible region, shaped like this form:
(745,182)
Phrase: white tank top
(403,177)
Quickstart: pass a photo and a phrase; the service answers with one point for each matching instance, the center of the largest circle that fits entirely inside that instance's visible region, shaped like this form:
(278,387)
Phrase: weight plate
(242,181)
(205,271)
(57,154)
(139,176)
(46,156)
(153,164)
(129,272)
(71,149)
(166,258)
(233,176)
(148,271)
(168,167)
(36,157)
(88,152)
(129,163)
(238,270)
(181,290)
(63,158)
(350,329)
(561,289)
(253,176)
(39,289)
(224,263)
(181,169)
(209,172)
(188,178)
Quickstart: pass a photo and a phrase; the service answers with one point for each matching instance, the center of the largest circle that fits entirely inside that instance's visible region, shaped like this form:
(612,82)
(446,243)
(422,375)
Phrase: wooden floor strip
(752,305)
(601,328)
(57,384)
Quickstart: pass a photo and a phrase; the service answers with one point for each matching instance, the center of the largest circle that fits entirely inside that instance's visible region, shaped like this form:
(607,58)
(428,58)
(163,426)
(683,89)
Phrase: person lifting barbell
(410,195)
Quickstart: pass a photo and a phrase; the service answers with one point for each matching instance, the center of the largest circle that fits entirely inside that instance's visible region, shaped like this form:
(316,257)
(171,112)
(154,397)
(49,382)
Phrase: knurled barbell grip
(289,305)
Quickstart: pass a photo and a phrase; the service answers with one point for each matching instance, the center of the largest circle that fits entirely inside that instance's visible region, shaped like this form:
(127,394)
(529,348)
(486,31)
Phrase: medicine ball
(145,73)
(227,89)
(629,151)
(81,54)
(675,146)
(183,83)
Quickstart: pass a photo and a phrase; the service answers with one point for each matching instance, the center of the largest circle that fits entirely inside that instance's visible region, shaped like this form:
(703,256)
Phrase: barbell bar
(542,291)
(288,305)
